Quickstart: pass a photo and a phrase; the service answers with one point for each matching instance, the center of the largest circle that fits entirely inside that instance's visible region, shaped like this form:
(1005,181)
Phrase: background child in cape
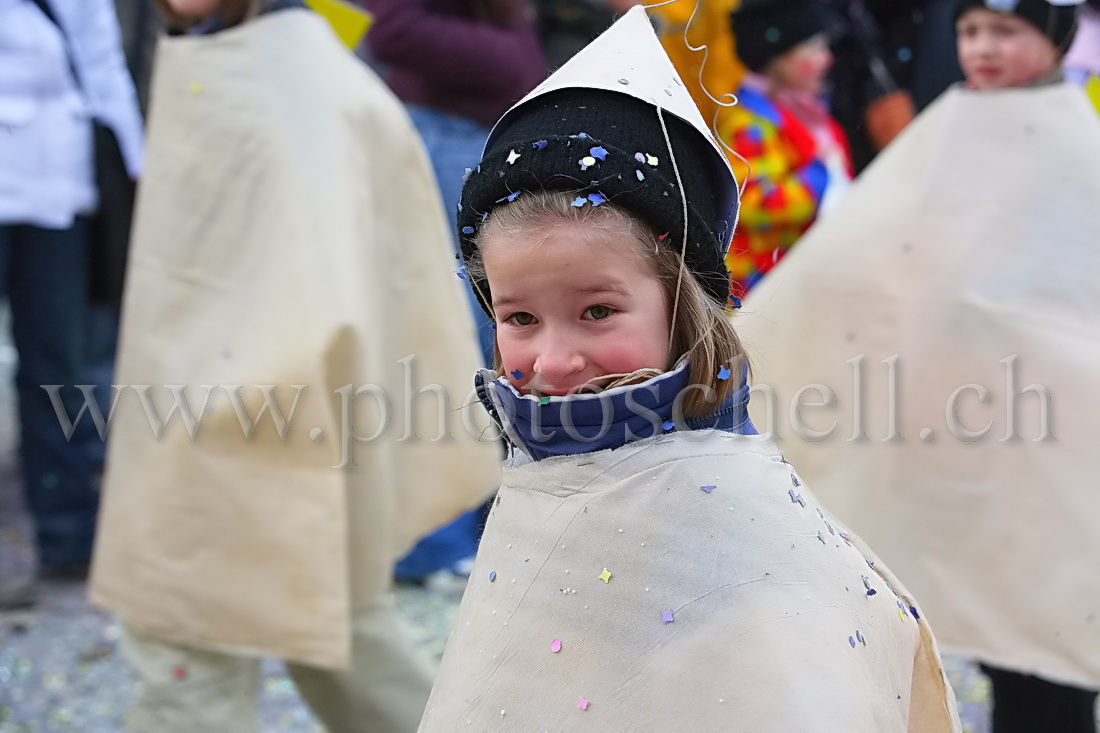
(967,251)
(797,155)
(1001,49)
(640,565)
(270,248)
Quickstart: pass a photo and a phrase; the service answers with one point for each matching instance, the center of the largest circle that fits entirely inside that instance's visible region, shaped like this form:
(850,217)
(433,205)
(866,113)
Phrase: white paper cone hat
(615,124)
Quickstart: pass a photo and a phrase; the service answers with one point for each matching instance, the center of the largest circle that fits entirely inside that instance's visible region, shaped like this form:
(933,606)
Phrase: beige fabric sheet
(288,233)
(971,245)
(770,609)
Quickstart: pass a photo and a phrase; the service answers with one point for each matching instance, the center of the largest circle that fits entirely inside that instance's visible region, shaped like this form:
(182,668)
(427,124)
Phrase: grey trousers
(188,689)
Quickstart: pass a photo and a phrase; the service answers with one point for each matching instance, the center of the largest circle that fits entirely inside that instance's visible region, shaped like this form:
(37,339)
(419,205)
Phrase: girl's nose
(557,359)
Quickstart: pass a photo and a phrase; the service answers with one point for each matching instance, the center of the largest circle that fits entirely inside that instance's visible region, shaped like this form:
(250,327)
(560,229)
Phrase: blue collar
(584,423)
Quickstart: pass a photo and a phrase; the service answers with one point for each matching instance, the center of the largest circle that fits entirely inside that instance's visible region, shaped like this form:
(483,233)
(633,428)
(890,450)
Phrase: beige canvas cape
(728,602)
(288,233)
(970,247)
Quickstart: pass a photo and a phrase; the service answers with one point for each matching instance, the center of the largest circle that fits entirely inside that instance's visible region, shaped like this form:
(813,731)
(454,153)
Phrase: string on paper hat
(729,97)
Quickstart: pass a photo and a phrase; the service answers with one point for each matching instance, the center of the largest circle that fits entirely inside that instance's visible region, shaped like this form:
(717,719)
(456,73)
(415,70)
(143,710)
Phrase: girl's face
(999,50)
(572,305)
(804,67)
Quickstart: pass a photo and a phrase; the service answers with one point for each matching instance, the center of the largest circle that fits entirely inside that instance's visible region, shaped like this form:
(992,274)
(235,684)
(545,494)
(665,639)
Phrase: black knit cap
(548,140)
(1056,22)
(766,29)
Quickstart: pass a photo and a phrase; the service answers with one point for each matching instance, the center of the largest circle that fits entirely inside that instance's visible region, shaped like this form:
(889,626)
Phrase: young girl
(650,563)
(797,154)
(966,258)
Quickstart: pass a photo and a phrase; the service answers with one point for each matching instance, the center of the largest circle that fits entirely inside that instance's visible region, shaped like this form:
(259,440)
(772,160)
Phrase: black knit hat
(1056,20)
(579,134)
(766,29)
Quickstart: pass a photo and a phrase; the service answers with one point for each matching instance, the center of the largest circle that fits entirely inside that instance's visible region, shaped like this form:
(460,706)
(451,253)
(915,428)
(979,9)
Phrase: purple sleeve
(456,53)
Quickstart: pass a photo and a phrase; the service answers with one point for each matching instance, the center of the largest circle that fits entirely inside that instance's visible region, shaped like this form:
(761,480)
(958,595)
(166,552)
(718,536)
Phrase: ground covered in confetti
(61,668)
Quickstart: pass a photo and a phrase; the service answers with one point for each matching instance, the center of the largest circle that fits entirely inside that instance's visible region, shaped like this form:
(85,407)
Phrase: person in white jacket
(57,75)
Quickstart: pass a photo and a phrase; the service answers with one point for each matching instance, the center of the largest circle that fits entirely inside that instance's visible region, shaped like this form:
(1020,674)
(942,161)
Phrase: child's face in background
(803,68)
(573,305)
(999,50)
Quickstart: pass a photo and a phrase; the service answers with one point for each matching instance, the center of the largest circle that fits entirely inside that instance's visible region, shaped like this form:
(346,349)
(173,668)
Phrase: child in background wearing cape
(650,563)
(1001,49)
(971,250)
(798,161)
(288,211)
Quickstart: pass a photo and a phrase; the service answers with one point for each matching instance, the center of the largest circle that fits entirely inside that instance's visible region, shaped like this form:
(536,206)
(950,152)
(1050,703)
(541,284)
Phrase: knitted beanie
(1056,19)
(766,29)
(604,146)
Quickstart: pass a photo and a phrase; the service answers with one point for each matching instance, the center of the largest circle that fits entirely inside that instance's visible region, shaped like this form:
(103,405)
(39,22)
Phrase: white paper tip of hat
(628,58)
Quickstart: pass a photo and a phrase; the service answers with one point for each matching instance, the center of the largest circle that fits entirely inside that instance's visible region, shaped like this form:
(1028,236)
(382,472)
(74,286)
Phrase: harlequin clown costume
(644,573)
(796,156)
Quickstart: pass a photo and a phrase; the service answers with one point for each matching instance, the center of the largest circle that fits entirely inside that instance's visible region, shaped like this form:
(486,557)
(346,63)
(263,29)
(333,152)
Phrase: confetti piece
(624,81)
(651,159)
(668,617)
(555,646)
(641,176)
(795,481)
(492,576)
(901,614)
(513,156)
(195,88)
(872,592)
(639,157)
(605,576)
(913,610)
(540,145)
(180,673)
(735,302)
(461,274)
(583,704)
(514,195)
(579,201)
(597,198)
(587,162)
(724,373)
(668,425)
(544,400)
(516,373)
(852,641)
(860,639)
(583,135)
(663,237)
(598,152)
(708,489)
(821,537)
(468,230)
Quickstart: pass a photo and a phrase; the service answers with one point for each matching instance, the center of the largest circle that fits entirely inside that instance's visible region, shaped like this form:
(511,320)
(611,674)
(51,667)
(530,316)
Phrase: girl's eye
(598,312)
(521,319)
